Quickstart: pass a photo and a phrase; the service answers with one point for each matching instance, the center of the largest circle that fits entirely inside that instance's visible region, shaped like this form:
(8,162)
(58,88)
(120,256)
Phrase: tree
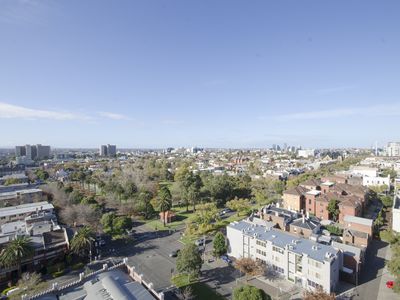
(390,236)
(379,221)
(29,281)
(333,209)
(387,201)
(248,292)
(189,261)
(16,251)
(143,204)
(249,266)
(318,294)
(219,244)
(81,243)
(164,200)
(121,225)
(42,174)
(186,293)
(240,205)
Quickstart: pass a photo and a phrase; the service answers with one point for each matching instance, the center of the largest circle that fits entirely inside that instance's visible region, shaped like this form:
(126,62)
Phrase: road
(149,254)
(374,275)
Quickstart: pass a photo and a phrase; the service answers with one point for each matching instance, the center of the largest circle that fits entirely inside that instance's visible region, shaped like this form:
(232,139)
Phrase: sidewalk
(384,292)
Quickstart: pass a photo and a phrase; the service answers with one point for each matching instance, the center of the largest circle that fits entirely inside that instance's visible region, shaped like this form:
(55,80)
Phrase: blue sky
(207,73)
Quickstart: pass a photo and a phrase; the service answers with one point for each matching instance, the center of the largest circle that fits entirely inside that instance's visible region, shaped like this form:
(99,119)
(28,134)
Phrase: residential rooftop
(25,208)
(281,239)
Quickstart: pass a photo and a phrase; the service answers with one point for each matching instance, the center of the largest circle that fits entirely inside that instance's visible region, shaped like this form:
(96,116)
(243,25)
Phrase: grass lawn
(181,217)
(200,290)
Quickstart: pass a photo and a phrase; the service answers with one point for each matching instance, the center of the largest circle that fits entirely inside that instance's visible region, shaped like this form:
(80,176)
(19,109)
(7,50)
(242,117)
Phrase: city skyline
(225,75)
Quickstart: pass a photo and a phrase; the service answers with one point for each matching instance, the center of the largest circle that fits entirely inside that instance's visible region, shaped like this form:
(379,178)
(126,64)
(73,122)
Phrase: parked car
(390,284)
(226,259)
(174,253)
(200,242)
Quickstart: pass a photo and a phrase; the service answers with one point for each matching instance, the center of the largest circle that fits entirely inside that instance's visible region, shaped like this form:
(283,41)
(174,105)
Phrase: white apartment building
(301,261)
(376,181)
(306,153)
(393,149)
(364,171)
(396,213)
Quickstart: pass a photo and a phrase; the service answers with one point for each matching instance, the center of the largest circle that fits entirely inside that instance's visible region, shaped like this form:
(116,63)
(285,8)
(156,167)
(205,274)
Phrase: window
(277,249)
(313,284)
(309,201)
(261,252)
(314,263)
(278,269)
(260,243)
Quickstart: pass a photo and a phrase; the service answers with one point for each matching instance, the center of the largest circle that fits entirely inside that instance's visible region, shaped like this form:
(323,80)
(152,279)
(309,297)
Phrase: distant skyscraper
(20,151)
(28,152)
(32,152)
(111,150)
(108,150)
(42,151)
(103,150)
(393,149)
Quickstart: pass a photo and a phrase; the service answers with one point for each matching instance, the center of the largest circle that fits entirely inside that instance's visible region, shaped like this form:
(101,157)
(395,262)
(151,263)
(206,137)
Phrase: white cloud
(10,111)
(387,110)
(113,116)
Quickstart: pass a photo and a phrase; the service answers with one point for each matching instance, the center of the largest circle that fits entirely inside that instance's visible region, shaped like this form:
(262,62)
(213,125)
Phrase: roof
(109,285)
(298,191)
(358,220)
(311,182)
(281,239)
(348,250)
(308,223)
(314,192)
(25,208)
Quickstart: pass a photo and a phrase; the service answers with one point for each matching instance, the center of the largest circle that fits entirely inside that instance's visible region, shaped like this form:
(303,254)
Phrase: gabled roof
(298,191)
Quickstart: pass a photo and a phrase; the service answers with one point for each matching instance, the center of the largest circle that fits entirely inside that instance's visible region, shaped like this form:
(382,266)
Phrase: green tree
(387,201)
(42,174)
(81,243)
(189,261)
(107,221)
(164,200)
(248,292)
(219,244)
(379,221)
(143,204)
(16,251)
(239,205)
(390,236)
(333,209)
(121,225)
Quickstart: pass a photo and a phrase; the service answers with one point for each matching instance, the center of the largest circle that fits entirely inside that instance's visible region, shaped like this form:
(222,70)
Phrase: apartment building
(39,223)
(301,261)
(294,198)
(393,149)
(108,150)
(23,196)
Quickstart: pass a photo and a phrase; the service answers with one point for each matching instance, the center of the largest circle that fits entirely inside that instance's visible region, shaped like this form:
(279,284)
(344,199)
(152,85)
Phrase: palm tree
(16,251)
(82,241)
(165,200)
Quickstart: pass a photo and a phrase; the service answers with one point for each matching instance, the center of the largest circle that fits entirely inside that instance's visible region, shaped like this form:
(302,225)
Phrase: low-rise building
(18,197)
(38,222)
(302,261)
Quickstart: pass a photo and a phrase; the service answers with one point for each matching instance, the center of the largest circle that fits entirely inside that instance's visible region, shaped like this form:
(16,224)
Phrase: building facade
(301,261)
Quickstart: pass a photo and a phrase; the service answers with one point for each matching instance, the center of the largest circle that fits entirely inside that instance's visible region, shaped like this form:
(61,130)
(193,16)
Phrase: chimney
(304,219)
(277,204)
(308,215)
